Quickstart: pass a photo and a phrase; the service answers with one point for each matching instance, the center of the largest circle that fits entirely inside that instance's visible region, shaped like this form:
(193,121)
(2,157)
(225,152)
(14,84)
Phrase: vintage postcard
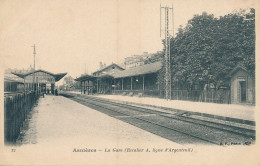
(129,82)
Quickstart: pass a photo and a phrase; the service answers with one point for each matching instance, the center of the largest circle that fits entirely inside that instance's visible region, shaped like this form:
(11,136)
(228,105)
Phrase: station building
(143,80)
(116,80)
(138,80)
(104,78)
(39,79)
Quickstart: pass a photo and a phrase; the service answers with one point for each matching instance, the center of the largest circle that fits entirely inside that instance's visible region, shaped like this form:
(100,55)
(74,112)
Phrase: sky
(73,34)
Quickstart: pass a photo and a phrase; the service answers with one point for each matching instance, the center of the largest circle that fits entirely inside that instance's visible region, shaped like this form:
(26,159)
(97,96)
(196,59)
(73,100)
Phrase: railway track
(175,127)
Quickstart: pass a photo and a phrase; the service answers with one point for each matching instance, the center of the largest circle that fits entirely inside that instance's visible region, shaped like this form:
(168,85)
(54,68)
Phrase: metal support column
(143,83)
(122,83)
(167,57)
(24,85)
(88,87)
(84,87)
(81,87)
(97,85)
(131,83)
(167,50)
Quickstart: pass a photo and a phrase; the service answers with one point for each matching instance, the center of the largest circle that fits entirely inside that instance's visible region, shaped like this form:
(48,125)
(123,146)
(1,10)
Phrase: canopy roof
(56,76)
(140,70)
(113,64)
(105,76)
(85,78)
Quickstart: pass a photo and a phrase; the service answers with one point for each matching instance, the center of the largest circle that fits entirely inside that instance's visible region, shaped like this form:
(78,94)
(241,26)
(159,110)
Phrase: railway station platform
(57,120)
(233,112)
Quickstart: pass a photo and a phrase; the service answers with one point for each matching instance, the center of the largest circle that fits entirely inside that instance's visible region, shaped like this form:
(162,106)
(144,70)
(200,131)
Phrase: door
(242,91)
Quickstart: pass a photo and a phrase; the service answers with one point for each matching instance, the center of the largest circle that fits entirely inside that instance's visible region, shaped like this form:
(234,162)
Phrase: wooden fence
(154,93)
(211,96)
(16,108)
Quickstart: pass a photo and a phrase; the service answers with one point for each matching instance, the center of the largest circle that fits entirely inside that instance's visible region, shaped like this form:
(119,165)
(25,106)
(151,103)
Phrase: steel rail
(163,126)
(181,118)
(127,108)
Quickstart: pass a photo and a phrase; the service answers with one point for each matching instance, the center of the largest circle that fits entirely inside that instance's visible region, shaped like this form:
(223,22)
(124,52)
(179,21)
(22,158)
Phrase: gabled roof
(56,76)
(238,67)
(113,64)
(140,70)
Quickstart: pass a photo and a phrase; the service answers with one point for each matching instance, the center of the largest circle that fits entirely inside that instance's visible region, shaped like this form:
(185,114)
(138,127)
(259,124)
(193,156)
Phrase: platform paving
(244,112)
(59,120)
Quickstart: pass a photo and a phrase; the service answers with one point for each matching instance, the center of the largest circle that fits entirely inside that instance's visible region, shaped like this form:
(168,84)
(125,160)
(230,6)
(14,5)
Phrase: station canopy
(56,76)
(86,77)
(136,71)
(140,70)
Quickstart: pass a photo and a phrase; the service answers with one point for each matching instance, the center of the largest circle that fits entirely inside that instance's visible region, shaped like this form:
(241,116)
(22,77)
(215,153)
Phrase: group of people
(54,92)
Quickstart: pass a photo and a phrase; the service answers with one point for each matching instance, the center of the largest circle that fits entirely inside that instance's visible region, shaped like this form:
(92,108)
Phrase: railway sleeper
(220,126)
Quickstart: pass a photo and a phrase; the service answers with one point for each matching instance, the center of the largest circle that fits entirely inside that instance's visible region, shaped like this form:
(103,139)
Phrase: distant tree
(68,82)
(158,56)
(208,48)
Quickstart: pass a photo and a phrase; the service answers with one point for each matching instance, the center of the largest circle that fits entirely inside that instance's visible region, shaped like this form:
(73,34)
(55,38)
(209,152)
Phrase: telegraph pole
(34,53)
(167,11)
